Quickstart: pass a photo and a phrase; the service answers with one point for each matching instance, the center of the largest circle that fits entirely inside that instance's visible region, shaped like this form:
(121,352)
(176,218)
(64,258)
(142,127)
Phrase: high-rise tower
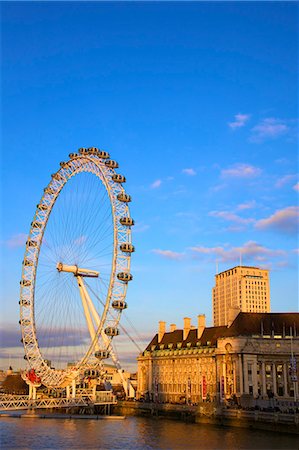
(241,288)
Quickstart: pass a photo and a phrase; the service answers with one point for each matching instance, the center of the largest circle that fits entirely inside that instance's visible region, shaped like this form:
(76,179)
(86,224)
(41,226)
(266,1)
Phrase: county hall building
(254,356)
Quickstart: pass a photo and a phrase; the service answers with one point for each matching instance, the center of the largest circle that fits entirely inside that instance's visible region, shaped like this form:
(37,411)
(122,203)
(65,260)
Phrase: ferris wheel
(76,269)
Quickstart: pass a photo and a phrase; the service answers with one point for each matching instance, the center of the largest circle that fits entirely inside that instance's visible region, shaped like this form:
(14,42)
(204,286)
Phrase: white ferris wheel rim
(78,163)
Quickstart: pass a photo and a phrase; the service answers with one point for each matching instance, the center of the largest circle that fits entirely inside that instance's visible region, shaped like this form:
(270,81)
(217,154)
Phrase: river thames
(133,433)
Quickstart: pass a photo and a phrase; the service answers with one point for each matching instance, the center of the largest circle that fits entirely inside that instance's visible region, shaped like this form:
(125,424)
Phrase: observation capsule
(124,276)
(83,151)
(28,262)
(102,354)
(91,373)
(122,197)
(24,302)
(93,150)
(26,341)
(49,190)
(103,155)
(36,224)
(57,176)
(118,178)
(31,243)
(111,331)
(63,164)
(73,155)
(42,206)
(127,221)
(112,164)
(24,322)
(119,304)
(127,248)
(25,283)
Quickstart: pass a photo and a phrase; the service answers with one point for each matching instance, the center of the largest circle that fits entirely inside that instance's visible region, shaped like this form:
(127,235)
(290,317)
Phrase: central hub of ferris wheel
(77,271)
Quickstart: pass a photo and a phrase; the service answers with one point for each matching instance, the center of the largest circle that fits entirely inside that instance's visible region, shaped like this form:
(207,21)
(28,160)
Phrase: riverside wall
(210,413)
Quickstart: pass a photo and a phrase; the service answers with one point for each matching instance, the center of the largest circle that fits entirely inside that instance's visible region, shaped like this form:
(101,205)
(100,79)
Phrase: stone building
(242,288)
(255,356)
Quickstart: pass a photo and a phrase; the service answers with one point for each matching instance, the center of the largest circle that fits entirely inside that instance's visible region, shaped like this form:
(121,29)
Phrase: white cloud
(169,254)
(191,172)
(231,217)
(283,220)
(156,184)
(241,170)
(240,121)
(284,180)
(296,187)
(246,205)
(250,251)
(269,128)
(17,240)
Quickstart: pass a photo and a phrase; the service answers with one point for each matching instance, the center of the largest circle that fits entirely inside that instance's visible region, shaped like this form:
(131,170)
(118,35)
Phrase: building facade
(241,288)
(255,357)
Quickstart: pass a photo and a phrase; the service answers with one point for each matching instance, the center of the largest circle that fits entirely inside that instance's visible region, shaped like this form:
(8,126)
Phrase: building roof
(245,324)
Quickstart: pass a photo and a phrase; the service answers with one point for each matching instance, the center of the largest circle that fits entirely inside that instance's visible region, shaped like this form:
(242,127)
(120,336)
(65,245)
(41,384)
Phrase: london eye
(76,269)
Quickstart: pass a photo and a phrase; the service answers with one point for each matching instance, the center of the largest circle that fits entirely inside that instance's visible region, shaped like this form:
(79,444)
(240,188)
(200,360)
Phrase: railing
(262,416)
(15,402)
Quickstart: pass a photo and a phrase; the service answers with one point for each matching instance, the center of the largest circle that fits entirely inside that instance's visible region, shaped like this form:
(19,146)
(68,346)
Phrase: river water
(133,433)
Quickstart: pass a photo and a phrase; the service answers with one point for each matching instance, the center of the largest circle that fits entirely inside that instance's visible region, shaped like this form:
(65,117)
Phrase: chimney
(162,327)
(172,327)
(187,327)
(201,320)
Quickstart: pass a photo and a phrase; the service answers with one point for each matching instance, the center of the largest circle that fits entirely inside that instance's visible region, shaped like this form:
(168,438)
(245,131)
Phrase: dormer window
(188,344)
(179,345)
(161,346)
(170,345)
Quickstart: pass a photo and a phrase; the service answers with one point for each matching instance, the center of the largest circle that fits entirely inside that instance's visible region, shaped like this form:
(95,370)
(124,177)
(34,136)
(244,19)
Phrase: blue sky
(198,102)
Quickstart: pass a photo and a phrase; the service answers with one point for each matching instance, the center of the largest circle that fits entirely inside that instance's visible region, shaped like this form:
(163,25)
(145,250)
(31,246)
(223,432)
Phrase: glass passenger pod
(24,302)
(119,304)
(122,197)
(31,243)
(49,190)
(91,373)
(25,283)
(127,248)
(28,262)
(83,151)
(93,150)
(36,225)
(73,155)
(126,221)
(26,341)
(123,276)
(103,155)
(102,354)
(112,164)
(111,331)
(24,322)
(57,176)
(42,206)
(63,164)
(118,178)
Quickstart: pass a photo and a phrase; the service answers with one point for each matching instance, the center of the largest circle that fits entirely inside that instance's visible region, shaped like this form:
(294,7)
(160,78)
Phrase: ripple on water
(133,433)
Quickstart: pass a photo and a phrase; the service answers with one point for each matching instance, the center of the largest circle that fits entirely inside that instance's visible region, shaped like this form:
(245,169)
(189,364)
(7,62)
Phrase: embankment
(209,413)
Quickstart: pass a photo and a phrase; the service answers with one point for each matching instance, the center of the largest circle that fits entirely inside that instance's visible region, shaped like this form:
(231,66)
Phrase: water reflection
(133,433)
